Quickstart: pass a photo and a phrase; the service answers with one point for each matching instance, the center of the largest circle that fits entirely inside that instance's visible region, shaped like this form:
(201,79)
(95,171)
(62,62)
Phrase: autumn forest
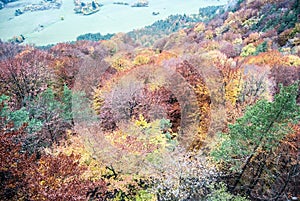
(208,110)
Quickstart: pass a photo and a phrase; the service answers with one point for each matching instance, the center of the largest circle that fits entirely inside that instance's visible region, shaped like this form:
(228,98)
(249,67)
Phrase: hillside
(161,28)
(179,110)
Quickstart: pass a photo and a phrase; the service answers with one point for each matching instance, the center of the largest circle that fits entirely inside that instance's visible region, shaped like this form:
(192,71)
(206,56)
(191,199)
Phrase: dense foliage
(252,141)
(94,37)
(172,24)
(209,112)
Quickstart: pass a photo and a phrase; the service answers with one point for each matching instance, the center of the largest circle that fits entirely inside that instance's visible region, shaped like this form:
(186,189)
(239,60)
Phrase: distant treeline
(172,24)
(3,2)
(95,37)
(7,1)
(88,36)
(289,17)
(162,28)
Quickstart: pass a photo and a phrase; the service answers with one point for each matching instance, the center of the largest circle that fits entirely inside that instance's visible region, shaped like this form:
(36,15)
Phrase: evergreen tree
(255,135)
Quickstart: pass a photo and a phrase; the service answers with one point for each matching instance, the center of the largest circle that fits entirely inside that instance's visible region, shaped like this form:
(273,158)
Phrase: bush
(219,193)
(248,50)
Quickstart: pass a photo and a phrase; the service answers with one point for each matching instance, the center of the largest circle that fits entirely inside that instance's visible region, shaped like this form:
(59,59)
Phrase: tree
(12,162)
(219,193)
(230,70)
(247,146)
(256,85)
(25,76)
(183,176)
(248,50)
(18,117)
(60,178)
(49,111)
(285,75)
(263,47)
(41,176)
(9,50)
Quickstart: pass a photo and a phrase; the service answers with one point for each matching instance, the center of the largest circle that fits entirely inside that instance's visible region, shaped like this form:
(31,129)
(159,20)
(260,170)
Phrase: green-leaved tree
(246,149)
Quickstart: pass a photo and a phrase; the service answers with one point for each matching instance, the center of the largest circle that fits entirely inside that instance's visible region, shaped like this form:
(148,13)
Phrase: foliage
(18,117)
(183,176)
(200,27)
(257,134)
(121,64)
(163,56)
(25,76)
(196,81)
(39,176)
(119,186)
(256,85)
(273,15)
(263,47)
(9,50)
(248,50)
(13,164)
(53,117)
(219,193)
(149,141)
(141,60)
(212,76)
(145,196)
(94,37)
(172,24)
(231,74)
(285,76)
(273,58)
(264,124)
(58,178)
(46,117)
